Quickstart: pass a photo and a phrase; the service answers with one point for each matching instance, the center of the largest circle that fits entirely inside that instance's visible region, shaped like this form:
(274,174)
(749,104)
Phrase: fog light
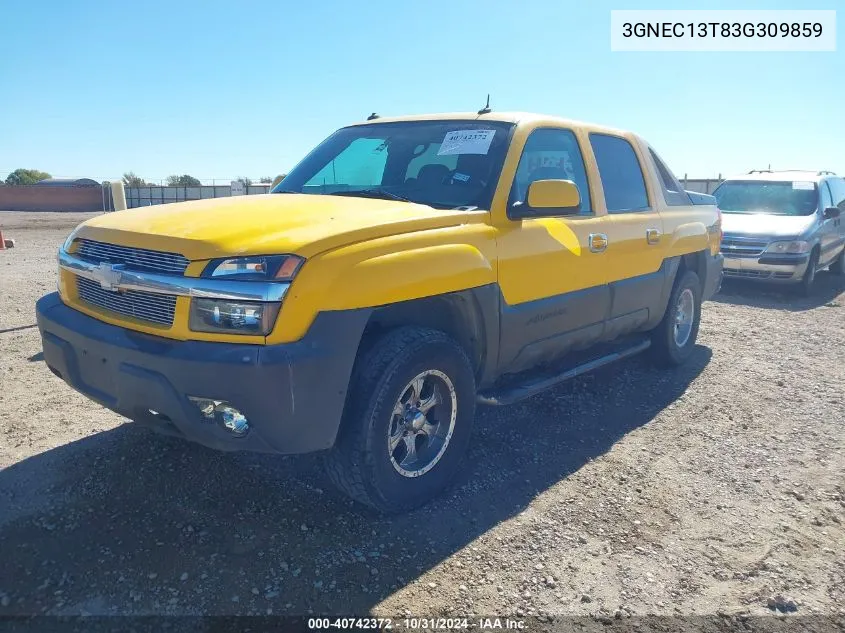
(233,420)
(222,413)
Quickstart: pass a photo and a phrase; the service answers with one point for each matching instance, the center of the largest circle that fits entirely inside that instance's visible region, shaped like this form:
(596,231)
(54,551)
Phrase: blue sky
(225,89)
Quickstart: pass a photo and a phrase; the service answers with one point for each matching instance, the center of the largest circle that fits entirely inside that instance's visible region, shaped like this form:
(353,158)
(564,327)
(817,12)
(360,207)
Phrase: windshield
(763,196)
(444,164)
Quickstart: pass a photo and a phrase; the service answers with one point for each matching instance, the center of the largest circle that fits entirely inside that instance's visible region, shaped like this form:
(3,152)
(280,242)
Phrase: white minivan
(782,226)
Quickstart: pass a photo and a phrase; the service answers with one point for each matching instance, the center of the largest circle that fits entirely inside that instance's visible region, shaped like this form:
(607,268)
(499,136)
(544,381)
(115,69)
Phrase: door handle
(652,236)
(598,242)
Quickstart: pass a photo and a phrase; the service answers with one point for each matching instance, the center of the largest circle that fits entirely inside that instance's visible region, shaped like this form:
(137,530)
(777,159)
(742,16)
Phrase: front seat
(431,175)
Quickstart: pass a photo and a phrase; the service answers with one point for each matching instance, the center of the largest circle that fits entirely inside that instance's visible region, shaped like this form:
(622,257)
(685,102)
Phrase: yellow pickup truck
(405,270)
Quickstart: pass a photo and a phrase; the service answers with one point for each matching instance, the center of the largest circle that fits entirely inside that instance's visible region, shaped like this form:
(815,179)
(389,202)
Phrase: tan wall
(39,198)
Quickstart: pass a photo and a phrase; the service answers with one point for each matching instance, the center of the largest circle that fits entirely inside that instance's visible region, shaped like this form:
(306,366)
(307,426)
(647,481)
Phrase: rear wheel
(673,340)
(407,422)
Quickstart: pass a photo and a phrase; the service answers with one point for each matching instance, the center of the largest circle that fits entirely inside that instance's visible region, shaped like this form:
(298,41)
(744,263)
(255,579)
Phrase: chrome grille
(735,246)
(135,258)
(753,274)
(145,306)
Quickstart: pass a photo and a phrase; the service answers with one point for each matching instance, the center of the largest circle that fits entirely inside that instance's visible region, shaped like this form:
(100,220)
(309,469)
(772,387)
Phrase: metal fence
(148,196)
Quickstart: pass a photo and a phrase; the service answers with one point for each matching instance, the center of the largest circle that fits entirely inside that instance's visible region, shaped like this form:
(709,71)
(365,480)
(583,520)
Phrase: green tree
(131,179)
(278,179)
(182,181)
(26,177)
(247,182)
(265,180)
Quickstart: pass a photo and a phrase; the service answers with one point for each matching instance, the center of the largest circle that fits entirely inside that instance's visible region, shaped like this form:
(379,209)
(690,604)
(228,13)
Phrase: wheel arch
(470,317)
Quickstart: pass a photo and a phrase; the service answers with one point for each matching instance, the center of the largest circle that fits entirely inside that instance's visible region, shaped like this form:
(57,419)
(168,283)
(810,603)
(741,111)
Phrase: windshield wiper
(372,193)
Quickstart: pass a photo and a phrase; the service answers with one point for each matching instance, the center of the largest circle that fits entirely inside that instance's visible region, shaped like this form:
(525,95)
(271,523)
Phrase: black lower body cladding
(292,395)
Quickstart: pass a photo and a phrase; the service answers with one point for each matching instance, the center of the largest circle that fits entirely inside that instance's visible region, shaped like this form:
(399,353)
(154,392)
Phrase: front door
(552,271)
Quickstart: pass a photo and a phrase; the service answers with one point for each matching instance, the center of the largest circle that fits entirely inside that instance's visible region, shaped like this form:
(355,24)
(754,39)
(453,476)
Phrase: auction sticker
(802,184)
(466,142)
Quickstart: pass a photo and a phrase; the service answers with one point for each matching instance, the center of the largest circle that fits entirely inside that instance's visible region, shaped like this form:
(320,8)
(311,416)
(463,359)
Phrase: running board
(515,393)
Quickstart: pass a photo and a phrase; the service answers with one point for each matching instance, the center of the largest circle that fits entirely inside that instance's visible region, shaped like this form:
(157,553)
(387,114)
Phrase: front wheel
(809,279)
(838,266)
(407,422)
(673,340)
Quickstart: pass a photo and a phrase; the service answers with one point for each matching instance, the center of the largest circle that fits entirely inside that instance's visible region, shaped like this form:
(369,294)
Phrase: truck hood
(765,225)
(265,224)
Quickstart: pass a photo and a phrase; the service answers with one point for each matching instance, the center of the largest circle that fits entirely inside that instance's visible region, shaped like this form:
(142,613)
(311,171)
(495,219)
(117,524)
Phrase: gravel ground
(715,488)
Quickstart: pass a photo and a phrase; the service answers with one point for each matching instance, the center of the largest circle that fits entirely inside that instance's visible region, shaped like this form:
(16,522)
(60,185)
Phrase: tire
(838,265)
(362,463)
(809,279)
(669,350)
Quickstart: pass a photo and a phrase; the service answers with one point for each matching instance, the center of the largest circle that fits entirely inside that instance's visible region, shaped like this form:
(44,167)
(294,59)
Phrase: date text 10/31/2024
(410,623)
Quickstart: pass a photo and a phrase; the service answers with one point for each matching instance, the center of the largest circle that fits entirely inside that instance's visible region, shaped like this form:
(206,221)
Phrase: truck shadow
(125,522)
(828,289)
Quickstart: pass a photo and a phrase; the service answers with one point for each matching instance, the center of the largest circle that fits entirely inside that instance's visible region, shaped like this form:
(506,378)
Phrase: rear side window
(621,174)
(673,193)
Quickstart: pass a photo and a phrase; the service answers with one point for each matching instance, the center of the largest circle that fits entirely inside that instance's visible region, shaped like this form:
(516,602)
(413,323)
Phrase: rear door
(636,242)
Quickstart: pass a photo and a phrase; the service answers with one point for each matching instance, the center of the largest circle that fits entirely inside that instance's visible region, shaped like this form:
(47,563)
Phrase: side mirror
(548,198)
(831,212)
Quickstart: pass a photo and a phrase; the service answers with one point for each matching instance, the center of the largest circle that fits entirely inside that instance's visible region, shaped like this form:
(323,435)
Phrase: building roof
(68,182)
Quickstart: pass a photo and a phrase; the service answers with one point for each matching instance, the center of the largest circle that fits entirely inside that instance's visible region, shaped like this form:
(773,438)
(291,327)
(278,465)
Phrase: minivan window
(767,197)
(621,174)
(444,164)
(837,190)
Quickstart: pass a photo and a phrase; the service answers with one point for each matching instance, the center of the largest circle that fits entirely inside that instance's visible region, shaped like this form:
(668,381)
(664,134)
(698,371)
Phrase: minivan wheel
(407,423)
(673,340)
(806,285)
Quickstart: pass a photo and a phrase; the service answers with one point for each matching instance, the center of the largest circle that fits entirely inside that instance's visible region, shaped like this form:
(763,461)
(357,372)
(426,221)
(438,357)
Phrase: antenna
(486,109)
(372,116)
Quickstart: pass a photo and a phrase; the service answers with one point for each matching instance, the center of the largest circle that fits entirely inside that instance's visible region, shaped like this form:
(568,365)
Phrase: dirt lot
(709,489)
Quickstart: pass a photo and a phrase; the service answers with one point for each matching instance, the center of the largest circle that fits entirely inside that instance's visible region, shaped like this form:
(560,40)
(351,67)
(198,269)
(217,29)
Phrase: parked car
(783,226)
(406,269)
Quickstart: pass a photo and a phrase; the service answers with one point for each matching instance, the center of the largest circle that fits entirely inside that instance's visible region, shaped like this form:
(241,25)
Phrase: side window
(551,154)
(826,195)
(360,165)
(673,192)
(621,175)
(837,188)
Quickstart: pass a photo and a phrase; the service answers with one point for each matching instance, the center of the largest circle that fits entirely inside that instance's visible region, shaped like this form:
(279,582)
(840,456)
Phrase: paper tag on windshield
(466,142)
(801,184)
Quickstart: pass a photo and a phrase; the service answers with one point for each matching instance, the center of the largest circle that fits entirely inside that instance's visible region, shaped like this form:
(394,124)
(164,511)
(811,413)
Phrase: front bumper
(713,279)
(292,394)
(769,268)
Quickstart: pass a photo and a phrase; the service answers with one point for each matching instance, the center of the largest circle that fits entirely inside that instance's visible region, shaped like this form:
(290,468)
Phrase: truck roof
(506,117)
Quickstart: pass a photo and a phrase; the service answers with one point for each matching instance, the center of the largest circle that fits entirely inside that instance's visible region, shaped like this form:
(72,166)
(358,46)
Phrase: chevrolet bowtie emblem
(109,276)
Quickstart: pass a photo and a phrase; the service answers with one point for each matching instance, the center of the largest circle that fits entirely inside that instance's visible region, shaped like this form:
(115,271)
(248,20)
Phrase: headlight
(233,317)
(259,267)
(788,247)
